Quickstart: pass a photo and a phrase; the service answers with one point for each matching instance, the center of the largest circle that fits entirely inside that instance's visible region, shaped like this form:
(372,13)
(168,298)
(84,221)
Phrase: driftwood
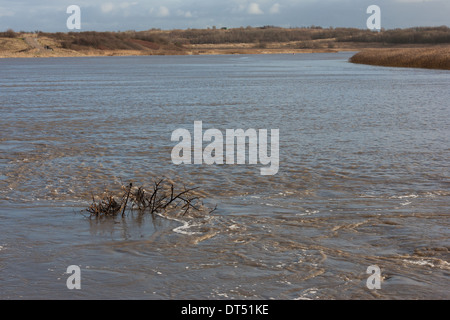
(162,198)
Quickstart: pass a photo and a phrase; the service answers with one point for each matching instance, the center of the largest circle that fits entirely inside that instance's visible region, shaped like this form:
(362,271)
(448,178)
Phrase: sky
(123,15)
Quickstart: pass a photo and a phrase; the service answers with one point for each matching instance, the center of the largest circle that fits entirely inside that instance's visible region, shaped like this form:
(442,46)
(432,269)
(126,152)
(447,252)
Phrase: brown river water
(363,179)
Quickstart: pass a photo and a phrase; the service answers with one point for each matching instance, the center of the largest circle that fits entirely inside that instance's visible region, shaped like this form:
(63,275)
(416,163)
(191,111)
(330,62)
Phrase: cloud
(163,12)
(253,8)
(107,7)
(275,8)
(107,15)
(185,14)
(125,5)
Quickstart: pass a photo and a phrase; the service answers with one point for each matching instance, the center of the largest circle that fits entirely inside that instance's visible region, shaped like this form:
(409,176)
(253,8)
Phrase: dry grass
(430,58)
(10,47)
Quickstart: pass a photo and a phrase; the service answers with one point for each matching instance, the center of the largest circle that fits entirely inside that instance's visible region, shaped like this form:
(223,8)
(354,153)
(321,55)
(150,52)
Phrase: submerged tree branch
(162,199)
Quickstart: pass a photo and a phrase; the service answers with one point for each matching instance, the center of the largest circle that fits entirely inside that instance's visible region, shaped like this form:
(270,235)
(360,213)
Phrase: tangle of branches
(162,197)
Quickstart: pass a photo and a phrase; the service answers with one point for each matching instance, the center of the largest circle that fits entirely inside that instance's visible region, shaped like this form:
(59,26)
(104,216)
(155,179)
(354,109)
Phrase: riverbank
(44,46)
(430,58)
(424,56)
(250,40)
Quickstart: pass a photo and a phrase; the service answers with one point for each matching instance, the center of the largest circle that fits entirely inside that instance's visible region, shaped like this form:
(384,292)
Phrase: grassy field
(431,58)
(393,47)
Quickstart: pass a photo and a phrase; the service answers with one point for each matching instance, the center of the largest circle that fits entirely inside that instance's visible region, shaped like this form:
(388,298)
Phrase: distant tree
(10,33)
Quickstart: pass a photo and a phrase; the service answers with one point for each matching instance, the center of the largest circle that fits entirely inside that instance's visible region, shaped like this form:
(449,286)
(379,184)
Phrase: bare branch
(163,199)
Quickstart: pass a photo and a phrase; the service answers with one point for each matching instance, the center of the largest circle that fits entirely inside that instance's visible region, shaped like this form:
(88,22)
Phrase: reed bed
(430,58)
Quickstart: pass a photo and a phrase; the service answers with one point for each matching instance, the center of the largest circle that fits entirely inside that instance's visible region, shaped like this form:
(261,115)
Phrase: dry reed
(431,58)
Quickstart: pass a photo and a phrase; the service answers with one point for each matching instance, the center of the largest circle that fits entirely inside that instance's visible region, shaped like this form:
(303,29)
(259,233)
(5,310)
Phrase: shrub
(10,33)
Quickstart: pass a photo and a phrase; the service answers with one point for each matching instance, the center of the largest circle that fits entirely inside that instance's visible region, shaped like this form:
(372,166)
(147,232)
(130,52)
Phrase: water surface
(363,178)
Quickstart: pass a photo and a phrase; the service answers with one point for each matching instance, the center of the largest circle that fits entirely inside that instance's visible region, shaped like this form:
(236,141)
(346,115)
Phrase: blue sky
(114,15)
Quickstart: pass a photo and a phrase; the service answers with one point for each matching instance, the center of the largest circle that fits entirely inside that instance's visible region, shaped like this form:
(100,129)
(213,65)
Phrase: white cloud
(253,8)
(186,14)
(107,7)
(125,5)
(275,8)
(163,12)
(110,15)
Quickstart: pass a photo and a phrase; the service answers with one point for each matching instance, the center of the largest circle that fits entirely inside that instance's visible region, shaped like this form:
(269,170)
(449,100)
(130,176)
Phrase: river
(363,178)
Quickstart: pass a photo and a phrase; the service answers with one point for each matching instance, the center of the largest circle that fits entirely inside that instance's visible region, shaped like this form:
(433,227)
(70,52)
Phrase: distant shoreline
(421,47)
(434,57)
(30,45)
(190,52)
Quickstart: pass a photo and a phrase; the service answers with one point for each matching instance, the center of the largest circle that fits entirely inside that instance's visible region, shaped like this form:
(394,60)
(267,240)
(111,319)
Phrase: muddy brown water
(363,178)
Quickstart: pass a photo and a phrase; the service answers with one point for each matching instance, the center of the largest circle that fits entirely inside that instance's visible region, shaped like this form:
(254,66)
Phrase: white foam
(307,213)
(413,196)
(420,262)
(181,229)
(310,291)
(435,263)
